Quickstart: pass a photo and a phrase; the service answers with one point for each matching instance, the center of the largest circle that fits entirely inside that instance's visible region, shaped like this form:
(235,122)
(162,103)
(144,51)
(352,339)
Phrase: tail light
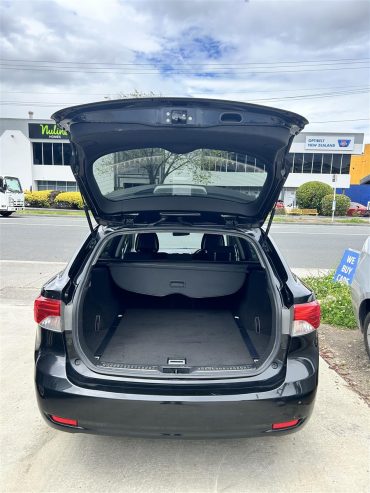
(63,421)
(47,313)
(285,424)
(306,318)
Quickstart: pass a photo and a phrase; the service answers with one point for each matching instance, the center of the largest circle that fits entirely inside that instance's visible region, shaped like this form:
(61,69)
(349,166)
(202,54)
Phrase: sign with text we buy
(347,267)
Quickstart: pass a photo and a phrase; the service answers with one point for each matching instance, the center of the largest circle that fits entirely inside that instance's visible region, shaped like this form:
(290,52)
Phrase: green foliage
(69,200)
(342,205)
(310,194)
(335,300)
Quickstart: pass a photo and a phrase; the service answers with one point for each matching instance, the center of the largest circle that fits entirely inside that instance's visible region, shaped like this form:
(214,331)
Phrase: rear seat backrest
(147,243)
(146,246)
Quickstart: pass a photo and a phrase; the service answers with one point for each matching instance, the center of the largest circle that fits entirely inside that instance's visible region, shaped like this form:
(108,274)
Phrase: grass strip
(335,300)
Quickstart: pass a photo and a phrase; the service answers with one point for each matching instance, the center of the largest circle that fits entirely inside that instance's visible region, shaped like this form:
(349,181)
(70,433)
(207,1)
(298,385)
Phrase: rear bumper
(187,416)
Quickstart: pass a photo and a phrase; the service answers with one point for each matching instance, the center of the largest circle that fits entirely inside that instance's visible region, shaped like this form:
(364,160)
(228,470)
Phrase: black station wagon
(178,316)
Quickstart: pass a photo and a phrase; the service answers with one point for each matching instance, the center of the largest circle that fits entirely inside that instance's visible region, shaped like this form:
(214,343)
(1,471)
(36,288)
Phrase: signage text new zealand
(330,143)
(46,131)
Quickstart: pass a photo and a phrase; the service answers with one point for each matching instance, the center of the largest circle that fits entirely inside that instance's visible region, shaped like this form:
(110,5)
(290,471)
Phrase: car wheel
(6,213)
(367,334)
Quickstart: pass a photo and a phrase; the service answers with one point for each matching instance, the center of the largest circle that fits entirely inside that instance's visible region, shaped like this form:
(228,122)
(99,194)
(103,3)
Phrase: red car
(356,209)
(280,204)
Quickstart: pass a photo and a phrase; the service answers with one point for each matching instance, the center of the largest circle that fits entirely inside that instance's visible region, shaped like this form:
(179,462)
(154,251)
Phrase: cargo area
(176,315)
(176,337)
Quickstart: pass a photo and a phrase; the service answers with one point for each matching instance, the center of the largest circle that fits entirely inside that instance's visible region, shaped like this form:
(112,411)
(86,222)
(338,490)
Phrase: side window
(116,247)
(245,250)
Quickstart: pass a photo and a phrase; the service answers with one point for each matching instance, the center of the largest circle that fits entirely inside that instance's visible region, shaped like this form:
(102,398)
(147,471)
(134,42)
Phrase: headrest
(147,242)
(210,242)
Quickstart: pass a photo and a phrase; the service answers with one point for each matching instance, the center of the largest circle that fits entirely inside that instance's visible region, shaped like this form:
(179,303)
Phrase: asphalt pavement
(54,239)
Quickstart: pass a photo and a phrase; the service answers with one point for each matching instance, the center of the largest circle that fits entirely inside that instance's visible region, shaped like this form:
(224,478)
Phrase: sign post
(334,179)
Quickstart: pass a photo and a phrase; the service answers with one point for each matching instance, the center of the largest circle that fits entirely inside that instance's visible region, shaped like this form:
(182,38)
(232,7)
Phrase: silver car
(361,293)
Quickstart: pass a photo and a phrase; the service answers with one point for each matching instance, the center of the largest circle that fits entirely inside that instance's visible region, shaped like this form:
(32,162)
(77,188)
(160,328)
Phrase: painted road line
(47,225)
(38,262)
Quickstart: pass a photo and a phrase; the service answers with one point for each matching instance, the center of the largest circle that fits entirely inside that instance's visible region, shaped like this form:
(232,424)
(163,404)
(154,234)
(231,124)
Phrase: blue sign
(347,267)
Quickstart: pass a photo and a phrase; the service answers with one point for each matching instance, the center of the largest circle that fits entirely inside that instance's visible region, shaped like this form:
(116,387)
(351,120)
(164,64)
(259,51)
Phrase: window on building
(52,153)
(57,154)
(320,163)
(307,163)
(61,186)
(346,159)
(47,153)
(337,159)
(37,152)
(326,163)
(298,163)
(316,163)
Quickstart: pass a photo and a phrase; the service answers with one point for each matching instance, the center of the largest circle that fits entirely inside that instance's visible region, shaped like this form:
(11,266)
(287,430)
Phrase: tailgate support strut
(271,219)
(88,216)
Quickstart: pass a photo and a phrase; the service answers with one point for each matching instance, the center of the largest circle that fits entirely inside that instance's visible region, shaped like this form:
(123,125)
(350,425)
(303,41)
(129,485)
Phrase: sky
(311,57)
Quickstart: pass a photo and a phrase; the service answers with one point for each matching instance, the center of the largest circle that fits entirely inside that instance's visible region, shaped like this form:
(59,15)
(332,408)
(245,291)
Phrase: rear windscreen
(149,171)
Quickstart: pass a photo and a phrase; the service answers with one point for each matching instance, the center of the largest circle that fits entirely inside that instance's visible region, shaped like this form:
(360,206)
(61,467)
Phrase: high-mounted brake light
(306,318)
(47,313)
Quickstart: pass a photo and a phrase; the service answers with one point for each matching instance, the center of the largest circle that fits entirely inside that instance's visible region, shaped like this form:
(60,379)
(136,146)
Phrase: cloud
(216,48)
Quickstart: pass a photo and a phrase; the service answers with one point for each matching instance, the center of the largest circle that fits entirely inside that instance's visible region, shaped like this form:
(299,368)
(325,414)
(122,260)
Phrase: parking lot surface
(329,455)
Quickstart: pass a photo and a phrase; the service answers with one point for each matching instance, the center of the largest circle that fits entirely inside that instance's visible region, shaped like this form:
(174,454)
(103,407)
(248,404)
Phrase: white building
(39,153)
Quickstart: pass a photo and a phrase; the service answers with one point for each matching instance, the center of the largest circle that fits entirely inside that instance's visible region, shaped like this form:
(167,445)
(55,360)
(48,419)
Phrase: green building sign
(46,131)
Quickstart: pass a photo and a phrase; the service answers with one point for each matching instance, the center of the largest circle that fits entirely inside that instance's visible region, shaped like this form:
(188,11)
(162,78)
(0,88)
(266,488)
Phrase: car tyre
(367,334)
(6,213)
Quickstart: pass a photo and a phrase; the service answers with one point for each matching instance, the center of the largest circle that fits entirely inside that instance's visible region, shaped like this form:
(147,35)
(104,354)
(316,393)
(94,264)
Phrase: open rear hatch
(156,156)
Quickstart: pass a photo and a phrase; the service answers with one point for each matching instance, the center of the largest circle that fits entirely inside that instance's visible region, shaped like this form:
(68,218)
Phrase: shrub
(37,199)
(342,203)
(280,211)
(69,200)
(310,194)
(335,300)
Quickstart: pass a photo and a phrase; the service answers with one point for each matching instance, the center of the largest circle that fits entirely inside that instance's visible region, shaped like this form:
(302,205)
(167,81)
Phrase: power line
(178,72)
(73,62)
(213,92)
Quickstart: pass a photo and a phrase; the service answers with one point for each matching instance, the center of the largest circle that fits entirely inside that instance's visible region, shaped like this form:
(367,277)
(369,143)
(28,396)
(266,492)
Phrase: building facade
(39,154)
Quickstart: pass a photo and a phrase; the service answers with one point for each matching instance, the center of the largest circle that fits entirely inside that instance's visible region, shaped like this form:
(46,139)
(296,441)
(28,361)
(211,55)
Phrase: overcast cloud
(305,56)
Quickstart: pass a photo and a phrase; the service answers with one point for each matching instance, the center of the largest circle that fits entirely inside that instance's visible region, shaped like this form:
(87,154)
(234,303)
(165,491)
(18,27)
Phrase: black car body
(178,316)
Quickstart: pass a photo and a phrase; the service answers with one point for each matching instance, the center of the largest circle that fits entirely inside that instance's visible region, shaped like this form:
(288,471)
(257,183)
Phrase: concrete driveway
(331,454)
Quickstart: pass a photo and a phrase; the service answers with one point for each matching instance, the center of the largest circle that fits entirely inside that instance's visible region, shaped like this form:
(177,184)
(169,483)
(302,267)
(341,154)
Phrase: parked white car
(361,293)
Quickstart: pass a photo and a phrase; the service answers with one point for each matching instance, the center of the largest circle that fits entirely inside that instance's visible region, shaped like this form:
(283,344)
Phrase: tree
(310,194)
(342,203)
